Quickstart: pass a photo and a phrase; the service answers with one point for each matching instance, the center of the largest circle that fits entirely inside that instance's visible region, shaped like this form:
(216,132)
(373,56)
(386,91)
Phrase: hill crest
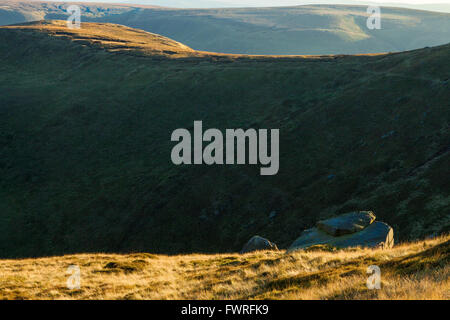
(110,36)
(120,38)
(309,30)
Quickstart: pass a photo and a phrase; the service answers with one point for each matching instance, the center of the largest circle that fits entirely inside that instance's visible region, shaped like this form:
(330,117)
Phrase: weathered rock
(347,223)
(257,243)
(311,237)
(377,234)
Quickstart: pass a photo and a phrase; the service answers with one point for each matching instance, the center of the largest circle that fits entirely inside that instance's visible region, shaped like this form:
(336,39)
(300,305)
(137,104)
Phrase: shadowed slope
(85,143)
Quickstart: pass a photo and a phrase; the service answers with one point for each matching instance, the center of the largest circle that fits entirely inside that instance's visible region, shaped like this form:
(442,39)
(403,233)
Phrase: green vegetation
(85,144)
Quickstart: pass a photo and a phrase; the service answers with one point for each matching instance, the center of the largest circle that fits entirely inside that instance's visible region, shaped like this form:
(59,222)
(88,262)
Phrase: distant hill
(320,29)
(86,118)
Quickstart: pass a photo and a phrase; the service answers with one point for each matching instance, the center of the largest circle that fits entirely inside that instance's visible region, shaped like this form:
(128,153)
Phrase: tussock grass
(417,270)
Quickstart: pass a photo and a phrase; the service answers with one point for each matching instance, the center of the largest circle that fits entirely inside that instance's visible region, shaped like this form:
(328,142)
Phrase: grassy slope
(289,30)
(85,144)
(419,270)
(112,37)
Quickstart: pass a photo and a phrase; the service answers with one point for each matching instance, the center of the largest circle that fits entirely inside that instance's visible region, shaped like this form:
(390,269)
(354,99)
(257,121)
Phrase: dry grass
(417,270)
(119,38)
(113,37)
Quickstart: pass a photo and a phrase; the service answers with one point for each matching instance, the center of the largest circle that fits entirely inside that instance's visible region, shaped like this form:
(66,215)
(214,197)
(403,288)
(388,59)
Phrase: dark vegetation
(85,146)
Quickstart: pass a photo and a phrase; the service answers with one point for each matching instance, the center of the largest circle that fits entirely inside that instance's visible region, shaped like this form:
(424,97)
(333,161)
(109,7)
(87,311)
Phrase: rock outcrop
(355,229)
(347,223)
(257,243)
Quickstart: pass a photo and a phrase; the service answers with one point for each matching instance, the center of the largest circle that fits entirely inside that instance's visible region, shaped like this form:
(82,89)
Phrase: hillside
(320,29)
(111,37)
(85,146)
(410,271)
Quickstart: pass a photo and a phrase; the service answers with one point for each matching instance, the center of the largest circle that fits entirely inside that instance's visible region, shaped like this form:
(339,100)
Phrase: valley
(299,30)
(86,118)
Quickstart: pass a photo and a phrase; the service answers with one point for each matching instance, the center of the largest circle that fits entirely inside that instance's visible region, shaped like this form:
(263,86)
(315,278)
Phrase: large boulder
(310,237)
(257,243)
(376,235)
(347,223)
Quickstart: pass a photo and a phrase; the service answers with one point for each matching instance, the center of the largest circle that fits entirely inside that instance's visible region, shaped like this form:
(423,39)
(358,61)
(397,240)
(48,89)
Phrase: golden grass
(118,38)
(113,37)
(418,270)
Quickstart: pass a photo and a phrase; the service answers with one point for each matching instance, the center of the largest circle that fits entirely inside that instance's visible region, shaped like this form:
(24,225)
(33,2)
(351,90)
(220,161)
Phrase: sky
(435,5)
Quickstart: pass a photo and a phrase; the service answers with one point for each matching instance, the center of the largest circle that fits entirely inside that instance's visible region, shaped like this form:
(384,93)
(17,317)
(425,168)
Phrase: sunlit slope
(321,29)
(125,40)
(410,271)
(111,37)
(85,143)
